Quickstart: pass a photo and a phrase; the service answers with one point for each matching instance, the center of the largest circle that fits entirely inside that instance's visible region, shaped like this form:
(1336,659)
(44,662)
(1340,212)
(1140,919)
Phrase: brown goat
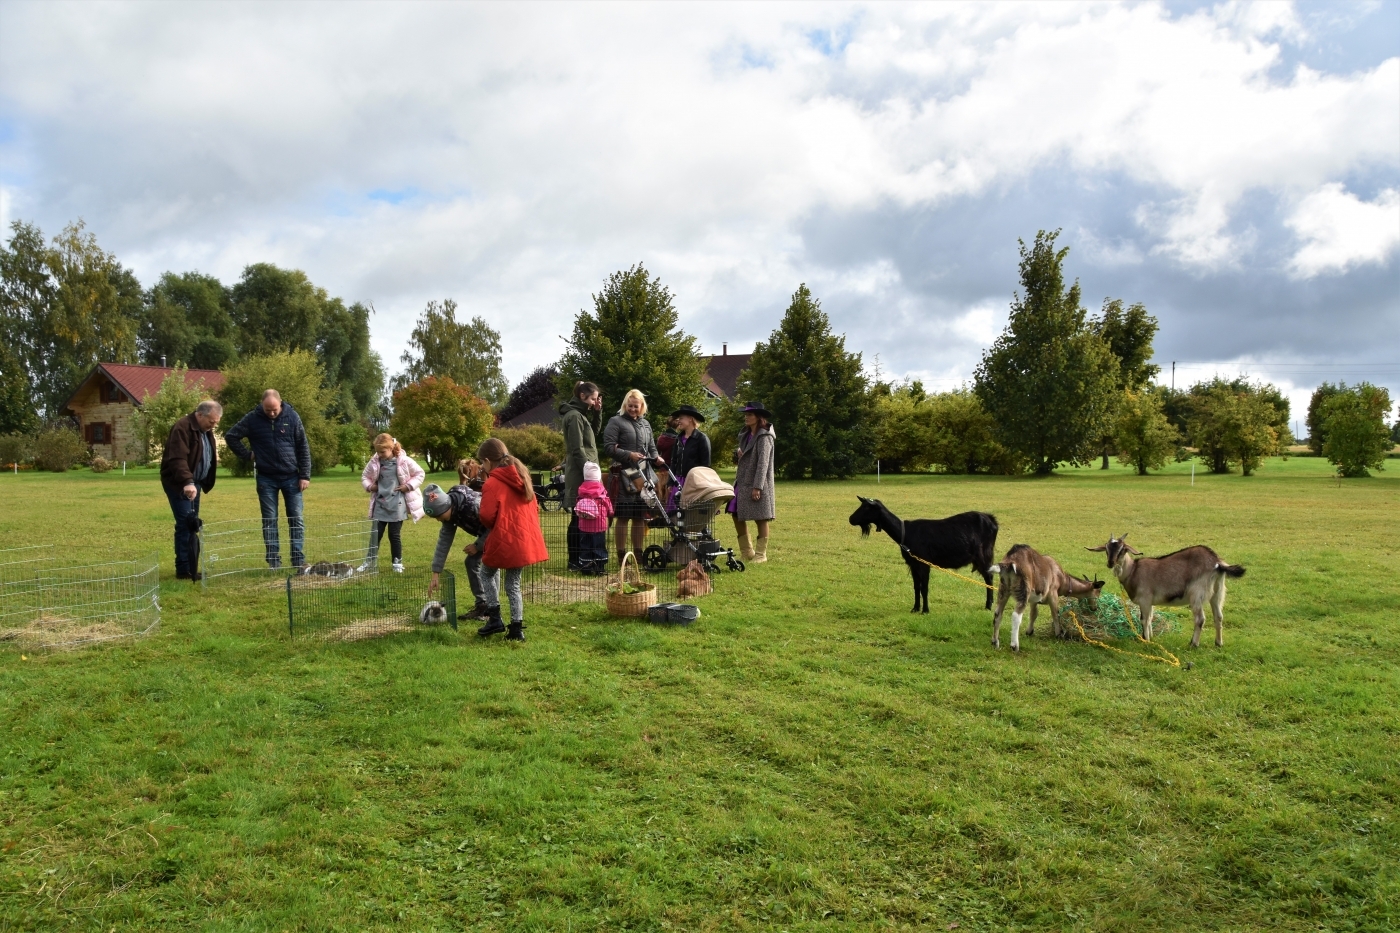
(1033,578)
(1188,577)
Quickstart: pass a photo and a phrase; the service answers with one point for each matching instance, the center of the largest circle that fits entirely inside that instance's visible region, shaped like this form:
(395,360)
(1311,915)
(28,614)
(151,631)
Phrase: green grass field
(807,756)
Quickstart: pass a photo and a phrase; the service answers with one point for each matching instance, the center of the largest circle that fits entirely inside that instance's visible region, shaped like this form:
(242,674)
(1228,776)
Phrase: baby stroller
(702,496)
(549,489)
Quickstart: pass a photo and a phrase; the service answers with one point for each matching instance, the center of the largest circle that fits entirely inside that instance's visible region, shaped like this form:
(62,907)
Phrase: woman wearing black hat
(753,481)
(691,448)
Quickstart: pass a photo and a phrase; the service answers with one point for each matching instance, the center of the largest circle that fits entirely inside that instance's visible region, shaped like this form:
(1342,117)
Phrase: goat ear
(863,499)
(1132,550)
(1101,547)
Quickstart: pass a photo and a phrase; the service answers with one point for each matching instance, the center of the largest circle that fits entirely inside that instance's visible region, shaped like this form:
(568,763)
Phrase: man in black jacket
(282,458)
(187,468)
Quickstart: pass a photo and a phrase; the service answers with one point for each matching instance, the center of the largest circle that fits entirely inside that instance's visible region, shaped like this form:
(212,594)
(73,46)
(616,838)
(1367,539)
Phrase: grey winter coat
(755,472)
(623,435)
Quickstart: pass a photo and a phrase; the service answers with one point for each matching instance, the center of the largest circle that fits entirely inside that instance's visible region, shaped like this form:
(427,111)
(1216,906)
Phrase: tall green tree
(66,306)
(1317,427)
(188,321)
(1049,380)
(1129,333)
(632,340)
(1226,418)
(1143,435)
(276,310)
(26,295)
(818,393)
(352,368)
(1353,422)
(467,352)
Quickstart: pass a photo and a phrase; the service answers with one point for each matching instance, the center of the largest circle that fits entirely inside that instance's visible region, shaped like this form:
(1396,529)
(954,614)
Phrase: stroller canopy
(703,484)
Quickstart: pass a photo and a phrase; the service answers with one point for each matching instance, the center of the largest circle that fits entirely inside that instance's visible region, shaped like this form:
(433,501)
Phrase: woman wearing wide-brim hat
(753,481)
(691,448)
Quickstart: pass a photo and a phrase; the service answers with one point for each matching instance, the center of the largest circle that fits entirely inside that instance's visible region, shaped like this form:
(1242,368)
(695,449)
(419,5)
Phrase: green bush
(58,449)
(541,447)
(159,412)
(354,445)
(1353,422)
(15,448)
(298,378)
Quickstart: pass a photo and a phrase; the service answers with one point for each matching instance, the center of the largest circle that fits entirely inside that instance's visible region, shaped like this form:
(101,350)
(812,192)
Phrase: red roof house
(106,400)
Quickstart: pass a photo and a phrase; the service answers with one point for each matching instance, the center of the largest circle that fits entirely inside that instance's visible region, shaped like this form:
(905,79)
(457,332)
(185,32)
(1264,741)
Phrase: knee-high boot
(745,546)
(760,549)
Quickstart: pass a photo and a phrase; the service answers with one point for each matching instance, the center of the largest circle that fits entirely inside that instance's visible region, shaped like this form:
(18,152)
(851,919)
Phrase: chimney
(162,359)
(725,351)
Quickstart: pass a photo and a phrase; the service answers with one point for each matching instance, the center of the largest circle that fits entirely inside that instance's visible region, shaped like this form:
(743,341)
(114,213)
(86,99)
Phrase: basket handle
(622,569)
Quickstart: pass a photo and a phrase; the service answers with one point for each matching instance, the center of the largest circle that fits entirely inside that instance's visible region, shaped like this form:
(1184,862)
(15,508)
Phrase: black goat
(953,542)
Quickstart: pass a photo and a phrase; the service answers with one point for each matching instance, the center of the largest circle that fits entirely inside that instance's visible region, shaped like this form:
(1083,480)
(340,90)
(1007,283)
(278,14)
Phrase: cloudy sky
(1236,167)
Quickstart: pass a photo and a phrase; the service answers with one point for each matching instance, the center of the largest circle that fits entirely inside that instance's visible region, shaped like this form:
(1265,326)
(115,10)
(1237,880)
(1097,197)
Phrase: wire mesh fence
(666,549)
(47,605)
(234,551)
(366,605)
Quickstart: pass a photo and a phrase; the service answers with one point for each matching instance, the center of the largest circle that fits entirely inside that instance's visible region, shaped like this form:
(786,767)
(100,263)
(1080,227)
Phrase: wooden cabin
(106,400)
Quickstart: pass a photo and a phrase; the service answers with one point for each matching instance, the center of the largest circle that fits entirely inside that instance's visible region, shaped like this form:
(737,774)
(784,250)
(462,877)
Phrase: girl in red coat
(514,541)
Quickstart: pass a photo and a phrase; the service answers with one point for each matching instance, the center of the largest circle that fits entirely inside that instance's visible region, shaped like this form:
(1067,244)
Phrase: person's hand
(191,492)
(635,455)
(433,584)
(404,487)
(756,494)
(302,484)
(470,550)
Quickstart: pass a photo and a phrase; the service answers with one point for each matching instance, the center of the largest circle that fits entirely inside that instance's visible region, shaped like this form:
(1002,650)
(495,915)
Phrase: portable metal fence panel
(364,605)
(233,551)
(49,606)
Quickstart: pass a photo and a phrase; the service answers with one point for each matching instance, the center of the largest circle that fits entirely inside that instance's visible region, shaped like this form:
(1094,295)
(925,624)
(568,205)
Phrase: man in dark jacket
(282,458)
(186,469)
(581,419)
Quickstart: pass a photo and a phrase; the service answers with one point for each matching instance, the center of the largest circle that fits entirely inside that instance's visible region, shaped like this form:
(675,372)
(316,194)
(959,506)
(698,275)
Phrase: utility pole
(1173,376)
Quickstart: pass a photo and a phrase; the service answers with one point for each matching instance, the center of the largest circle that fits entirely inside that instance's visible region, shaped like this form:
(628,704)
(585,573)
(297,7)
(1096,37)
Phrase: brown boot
(745,546)
(760,550)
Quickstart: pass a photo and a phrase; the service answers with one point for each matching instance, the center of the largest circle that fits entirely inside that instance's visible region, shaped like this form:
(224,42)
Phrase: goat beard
(865,531)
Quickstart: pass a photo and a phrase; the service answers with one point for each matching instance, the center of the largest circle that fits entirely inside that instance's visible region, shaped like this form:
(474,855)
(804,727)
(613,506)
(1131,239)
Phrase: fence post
(291,619)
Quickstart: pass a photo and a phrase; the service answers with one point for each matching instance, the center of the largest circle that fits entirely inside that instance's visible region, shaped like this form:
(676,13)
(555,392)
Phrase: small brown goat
(1188,577)
(1033,578)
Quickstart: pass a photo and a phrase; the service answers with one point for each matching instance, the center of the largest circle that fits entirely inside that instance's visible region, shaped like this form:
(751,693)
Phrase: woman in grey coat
(628,441)
(753,482)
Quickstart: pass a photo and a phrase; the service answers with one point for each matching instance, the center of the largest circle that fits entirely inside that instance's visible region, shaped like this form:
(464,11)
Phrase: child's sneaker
(398,566)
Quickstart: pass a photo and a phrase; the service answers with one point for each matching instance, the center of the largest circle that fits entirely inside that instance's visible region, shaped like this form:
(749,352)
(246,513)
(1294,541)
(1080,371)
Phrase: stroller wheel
(654,558)
(736,565)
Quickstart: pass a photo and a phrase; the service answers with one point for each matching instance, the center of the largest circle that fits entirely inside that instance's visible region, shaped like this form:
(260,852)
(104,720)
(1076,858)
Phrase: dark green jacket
(581,426)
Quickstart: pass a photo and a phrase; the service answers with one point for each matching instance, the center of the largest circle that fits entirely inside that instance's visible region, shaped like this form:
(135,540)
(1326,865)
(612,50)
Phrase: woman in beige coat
(753,482)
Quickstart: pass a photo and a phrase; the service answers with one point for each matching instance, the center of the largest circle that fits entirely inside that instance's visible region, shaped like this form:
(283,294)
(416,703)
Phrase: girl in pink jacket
(593,508)
(392,479)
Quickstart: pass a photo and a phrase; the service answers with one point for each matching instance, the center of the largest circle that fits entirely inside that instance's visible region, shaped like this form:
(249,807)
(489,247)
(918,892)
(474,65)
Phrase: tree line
(1059,385)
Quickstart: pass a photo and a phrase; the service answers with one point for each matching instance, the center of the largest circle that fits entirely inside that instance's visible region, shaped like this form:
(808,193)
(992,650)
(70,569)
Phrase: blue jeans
(267,502)
(183,508)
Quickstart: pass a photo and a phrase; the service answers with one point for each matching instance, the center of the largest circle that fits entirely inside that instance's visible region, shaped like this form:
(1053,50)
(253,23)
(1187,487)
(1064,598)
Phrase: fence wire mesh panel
(234,551)
(366,605)
(692,535)
(46,605)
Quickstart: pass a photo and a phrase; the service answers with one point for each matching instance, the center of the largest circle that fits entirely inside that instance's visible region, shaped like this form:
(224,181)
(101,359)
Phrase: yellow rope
(1170,658)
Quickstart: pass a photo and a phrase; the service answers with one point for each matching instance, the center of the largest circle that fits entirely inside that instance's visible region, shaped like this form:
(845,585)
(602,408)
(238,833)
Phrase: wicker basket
(630,605)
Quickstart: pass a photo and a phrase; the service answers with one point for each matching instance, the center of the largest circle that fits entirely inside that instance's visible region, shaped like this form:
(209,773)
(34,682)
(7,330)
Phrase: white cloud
(550,145)
(1340,231)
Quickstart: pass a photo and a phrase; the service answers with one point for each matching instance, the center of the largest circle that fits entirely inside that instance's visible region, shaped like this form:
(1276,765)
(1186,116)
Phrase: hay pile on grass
(367,628)
(574,588)
(61,632)
(1109,617)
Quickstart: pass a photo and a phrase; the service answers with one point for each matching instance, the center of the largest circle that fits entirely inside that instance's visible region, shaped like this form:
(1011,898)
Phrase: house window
(112,393)
(99,433)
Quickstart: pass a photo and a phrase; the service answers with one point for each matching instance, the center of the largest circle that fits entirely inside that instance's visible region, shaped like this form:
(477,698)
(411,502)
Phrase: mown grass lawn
(808,756)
